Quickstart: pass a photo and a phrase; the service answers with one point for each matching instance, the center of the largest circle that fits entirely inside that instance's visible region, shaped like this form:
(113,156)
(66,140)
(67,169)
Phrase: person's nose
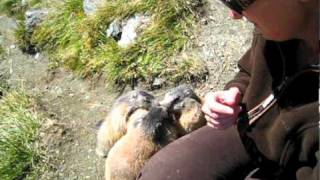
(235,15)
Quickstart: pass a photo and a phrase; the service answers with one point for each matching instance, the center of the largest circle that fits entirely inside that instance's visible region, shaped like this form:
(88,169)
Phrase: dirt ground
(73,106)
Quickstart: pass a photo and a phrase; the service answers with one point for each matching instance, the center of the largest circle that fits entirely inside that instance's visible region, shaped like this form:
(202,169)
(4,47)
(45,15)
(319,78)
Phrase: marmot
(115,124)
(151,131)
(138,126)
(185,108)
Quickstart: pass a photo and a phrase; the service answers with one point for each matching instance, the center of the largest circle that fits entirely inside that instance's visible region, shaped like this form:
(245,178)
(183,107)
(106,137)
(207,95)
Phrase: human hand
(221,108)
(235,15)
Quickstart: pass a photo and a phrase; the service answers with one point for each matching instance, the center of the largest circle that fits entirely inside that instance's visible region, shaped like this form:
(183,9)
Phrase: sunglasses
(238,5)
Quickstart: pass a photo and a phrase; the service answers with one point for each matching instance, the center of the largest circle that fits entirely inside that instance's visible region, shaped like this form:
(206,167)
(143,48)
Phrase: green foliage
(23,38)
(15,7)
(79,42)
(19,151)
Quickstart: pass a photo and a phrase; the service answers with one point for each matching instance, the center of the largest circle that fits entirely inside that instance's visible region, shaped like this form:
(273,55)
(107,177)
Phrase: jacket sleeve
(242,78)
(308,152)
(245,65)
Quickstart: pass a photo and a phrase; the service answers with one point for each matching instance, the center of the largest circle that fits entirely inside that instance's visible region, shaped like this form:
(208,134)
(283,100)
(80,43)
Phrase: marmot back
(115,124)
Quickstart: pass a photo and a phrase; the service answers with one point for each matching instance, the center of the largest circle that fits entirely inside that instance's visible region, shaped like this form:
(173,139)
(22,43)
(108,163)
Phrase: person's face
(277,19)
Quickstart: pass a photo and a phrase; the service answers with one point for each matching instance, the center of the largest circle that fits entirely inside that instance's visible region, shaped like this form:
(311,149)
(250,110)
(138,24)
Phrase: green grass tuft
(79,42)
(16,7)
(19,151)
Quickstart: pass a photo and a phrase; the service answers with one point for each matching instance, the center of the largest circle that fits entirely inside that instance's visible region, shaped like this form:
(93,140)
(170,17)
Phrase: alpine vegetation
(126,40)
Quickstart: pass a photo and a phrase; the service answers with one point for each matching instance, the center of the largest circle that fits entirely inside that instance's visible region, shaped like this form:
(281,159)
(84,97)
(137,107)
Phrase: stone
(158,82)
(115,30)
(91,6)
(34,18)
(131,27)
(24,2)
(36,57)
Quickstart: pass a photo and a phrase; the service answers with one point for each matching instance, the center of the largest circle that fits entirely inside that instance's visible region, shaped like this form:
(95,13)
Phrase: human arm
(221,108)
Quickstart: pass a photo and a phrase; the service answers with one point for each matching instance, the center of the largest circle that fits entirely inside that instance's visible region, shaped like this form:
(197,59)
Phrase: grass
(16,7)
(2,51)
(78,42)
(20,154)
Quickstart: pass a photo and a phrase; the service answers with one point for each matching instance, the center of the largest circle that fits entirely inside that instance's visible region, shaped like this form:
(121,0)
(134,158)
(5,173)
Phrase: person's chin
(275,36)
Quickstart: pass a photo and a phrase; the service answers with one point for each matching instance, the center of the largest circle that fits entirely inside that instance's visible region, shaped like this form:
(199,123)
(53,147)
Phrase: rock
(34,18)
(91,6)
(158,82)
(131,28)
(24,2)
(115,30)
(36,57)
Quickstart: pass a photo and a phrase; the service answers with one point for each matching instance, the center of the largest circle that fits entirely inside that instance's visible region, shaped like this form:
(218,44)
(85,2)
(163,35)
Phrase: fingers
(219,115)
(221,121)
(214,106)
(222,108)
(230,97)
(220,124)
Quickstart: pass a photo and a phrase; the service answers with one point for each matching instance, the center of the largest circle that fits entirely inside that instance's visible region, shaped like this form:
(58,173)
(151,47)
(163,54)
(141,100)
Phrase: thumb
(231,97)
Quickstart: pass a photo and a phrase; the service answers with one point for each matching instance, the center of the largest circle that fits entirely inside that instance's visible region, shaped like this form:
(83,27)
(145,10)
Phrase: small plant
(20,154)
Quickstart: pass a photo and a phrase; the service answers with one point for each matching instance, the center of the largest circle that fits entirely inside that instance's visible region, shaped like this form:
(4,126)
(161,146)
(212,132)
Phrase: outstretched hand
(221,108)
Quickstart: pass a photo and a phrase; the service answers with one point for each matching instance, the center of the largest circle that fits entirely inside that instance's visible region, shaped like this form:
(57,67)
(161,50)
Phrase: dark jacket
(286,136)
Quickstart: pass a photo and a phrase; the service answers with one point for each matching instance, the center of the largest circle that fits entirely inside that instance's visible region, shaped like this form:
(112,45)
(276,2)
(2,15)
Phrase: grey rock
(34,18)
(115,30)
(158,82)
(131,29)
(24,2)
(91,6)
